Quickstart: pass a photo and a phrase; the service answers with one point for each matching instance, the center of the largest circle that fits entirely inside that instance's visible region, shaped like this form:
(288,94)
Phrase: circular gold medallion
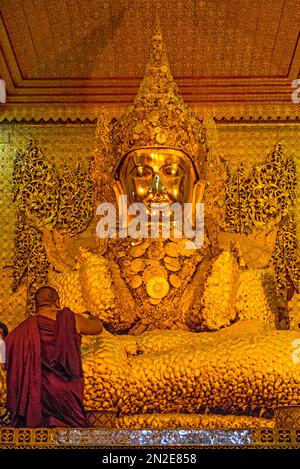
(137,251)
(137,265)
(175,281)
(154,271)
(155,252)
(157,287)
(139,128)
(153,117)
(155,301)
(136,281)
(172,263)
(171,250)
(161,138)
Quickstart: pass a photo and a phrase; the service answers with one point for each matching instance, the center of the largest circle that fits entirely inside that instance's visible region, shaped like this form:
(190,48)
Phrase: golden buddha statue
(190,330)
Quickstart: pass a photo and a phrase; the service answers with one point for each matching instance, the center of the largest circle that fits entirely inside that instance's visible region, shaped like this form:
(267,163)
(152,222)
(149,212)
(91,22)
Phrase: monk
(43,363)
(4,417)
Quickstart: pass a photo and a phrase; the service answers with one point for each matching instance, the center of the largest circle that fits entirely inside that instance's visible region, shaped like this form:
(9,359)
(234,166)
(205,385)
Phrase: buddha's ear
(199,189)
(121,198)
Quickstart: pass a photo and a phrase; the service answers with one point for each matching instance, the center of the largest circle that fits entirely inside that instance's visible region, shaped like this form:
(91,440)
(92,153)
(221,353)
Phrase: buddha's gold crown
(159,117)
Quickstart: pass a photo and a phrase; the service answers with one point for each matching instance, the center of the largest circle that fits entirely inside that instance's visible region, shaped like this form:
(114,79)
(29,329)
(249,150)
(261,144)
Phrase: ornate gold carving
(215,176)
(102,420)
(230,371)
(75,209)
(256,248)
(4,416)
(265,199)
(163,284)
(157,287)
(44,201)
(116,431)
(156,280)
(159,116)
(286,258)
(287,417)
(192,421)
(262,302)
(220,293)
(102,163)
(232,113)
(35,190)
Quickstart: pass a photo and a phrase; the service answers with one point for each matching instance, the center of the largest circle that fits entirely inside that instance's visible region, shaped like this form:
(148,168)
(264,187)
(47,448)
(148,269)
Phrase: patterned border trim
(153,437)
(241,112)
(42,438)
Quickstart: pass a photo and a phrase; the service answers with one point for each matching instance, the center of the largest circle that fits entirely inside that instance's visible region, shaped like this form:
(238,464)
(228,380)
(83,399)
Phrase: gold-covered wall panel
(251,143)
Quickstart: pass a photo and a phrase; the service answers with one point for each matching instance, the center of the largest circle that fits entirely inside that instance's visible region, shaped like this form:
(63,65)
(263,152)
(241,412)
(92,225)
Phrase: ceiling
(95,51)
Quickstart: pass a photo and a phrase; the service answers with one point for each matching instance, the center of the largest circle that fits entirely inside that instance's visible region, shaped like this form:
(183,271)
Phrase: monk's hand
(88,315)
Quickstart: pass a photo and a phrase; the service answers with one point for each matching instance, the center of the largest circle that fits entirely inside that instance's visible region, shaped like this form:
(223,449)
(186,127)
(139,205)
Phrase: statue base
(287,417)
(97,438)
(175,421)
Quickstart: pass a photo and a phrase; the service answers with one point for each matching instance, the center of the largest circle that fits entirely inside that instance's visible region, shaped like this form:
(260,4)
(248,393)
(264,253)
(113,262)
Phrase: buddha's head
(157,175)
(154,150)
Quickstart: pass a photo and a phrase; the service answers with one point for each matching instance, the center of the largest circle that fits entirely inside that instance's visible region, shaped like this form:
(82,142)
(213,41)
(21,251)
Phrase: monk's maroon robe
(44,373)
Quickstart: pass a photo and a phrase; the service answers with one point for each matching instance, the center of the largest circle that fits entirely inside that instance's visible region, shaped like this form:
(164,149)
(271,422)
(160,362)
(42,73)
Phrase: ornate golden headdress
(159,118)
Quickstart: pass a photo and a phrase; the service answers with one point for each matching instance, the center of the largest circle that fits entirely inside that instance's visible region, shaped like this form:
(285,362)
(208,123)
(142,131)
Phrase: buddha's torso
(158,274)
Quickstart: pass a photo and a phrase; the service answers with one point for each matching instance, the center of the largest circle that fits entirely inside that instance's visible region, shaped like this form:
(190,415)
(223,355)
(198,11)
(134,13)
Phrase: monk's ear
(57,303)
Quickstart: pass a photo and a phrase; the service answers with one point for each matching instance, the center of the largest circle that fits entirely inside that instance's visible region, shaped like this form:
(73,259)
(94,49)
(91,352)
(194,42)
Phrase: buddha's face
(154,176)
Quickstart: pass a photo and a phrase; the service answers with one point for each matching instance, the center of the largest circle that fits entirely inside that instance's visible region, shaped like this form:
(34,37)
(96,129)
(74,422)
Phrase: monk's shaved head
(3,329)
(45,296)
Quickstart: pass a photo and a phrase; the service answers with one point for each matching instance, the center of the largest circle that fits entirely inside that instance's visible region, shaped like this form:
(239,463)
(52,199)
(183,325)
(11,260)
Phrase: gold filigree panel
(64,146)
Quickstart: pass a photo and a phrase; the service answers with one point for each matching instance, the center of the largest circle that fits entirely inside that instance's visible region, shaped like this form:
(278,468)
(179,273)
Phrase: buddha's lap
(237,368)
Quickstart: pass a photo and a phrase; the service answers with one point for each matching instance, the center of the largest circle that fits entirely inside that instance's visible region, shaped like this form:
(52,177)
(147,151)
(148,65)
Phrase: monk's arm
(88,326)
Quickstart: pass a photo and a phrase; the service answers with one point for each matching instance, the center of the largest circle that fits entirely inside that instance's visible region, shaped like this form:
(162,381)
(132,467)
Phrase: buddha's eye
(142,171)
(171,170)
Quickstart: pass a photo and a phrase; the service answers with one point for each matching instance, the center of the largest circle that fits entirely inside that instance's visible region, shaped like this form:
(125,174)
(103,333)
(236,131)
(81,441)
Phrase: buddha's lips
(165,199)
